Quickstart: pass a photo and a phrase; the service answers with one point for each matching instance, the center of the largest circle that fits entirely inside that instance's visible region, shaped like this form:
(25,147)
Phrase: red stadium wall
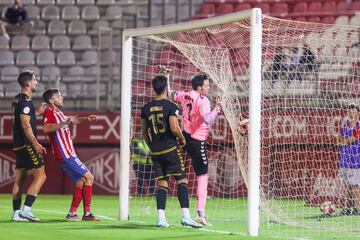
(97,144)
(297,171)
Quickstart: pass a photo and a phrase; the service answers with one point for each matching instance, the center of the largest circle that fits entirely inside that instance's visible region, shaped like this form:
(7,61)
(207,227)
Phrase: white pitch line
(143,222)
(64,213)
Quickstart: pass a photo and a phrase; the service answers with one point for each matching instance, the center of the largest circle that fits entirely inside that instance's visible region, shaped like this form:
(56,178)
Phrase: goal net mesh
(310,73)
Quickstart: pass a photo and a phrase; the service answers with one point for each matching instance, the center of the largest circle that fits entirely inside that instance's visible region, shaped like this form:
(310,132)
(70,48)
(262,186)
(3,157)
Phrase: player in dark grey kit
(27,149)
(161,131)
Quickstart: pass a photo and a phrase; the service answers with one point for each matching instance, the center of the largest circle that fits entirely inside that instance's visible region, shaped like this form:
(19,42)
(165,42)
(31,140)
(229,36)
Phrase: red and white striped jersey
(61,142)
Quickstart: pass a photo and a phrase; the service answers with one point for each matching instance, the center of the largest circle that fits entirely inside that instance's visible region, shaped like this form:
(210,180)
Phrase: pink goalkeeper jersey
(197,116)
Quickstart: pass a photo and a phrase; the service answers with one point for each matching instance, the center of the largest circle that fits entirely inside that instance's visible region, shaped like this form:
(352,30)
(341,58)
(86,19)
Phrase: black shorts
(198,152)
(169,164)
(28,158)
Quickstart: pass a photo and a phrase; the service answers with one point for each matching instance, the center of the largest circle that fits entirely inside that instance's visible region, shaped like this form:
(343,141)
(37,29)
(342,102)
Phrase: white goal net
(310,74)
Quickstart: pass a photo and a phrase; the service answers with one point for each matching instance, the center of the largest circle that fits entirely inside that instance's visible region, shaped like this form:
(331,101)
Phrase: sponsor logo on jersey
(26,110)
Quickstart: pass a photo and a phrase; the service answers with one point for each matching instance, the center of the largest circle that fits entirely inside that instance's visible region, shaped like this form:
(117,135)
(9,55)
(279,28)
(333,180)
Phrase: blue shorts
(74,168)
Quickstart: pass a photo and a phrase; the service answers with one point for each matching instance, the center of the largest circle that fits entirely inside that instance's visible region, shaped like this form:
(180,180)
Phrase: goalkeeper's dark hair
(49,93)
(24,77)
(198,81)
(159,84)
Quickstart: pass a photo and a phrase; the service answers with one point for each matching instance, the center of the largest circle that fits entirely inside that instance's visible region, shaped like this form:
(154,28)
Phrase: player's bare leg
(17,190)
(39,179)
(162,190)
(87,197)
(34,189)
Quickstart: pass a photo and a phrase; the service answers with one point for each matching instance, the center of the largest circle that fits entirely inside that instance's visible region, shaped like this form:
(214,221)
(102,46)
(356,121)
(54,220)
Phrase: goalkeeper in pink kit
(197,118)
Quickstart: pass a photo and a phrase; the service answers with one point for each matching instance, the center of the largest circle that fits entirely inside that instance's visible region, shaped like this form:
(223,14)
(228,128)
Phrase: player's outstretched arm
(53,127)
(77,120)
(210,116)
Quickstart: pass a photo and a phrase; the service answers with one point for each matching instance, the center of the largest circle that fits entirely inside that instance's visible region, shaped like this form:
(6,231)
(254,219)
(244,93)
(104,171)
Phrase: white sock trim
(185,212)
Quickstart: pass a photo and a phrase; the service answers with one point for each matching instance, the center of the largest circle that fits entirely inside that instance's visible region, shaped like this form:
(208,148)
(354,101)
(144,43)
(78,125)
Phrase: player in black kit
(27,149)
(161,131)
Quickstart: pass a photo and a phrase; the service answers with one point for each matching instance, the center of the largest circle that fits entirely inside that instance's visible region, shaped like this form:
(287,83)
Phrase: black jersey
(22,104)
(157,114)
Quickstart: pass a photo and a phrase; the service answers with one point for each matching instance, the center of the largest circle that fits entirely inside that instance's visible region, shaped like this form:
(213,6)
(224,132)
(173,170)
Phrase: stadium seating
(61,42)
(50,12)
(65,58)
(65,2)
(265,7)
(33,11)
(65,32)
(70,12)
(82,42)
(20,42)
(329,7)
(98,24)
(90,13)
(45,57)
(242,6)
(40,42)
(355,6)
(74,73)
(77,27)
(45,2)
(38,28)
(85,2)
(280,8)
(342,6)
(224,8)
(9,73)
(56,27)
(113,13)
(4,43)
(25,58)
(6,58)
(300,7)
(51,73)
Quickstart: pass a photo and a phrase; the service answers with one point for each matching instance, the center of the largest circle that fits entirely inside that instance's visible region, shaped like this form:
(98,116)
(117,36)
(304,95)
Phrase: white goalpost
(255,106)
(292,80)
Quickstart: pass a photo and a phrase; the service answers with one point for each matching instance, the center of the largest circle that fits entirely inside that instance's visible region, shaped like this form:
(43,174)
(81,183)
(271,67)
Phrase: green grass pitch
(51,209)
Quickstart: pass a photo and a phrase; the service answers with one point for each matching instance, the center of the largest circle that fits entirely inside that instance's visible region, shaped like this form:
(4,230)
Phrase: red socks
(77,197)
(87,195)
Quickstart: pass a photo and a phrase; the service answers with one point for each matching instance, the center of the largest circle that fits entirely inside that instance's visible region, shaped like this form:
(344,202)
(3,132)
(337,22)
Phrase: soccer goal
(293,80)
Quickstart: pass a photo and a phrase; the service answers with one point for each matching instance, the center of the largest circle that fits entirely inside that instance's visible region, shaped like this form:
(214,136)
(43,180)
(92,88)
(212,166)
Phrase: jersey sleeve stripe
(60,137)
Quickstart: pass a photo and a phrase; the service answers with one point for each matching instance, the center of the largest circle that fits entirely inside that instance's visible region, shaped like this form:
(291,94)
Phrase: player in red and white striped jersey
(56,126)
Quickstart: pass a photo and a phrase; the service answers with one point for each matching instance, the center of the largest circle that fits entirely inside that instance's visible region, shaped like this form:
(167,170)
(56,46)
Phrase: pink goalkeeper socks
(201,192)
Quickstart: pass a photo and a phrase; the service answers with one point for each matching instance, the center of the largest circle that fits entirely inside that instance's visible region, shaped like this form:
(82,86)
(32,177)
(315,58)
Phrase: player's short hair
(198,81)
(159,84)
(353,106)
(49,93)
(25,76)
